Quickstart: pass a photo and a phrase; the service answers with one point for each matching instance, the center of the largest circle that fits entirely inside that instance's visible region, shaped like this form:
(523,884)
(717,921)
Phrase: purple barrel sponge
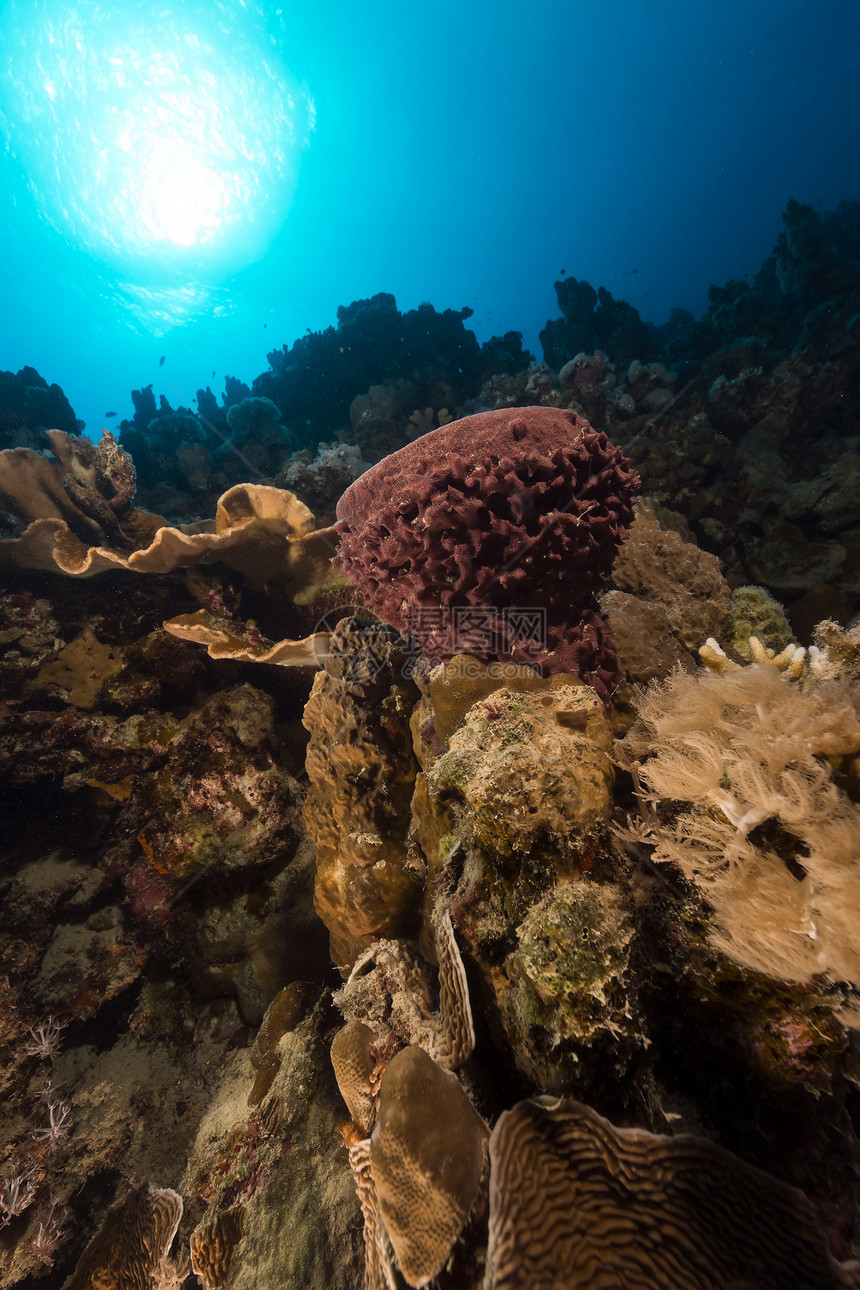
(458,536)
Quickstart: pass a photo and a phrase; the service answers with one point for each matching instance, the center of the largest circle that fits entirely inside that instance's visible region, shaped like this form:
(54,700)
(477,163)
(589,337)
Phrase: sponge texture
(516,510)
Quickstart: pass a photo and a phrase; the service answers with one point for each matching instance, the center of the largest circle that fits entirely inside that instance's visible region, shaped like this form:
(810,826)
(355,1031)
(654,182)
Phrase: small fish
(110,414)
(161,360)
(265,324)
(562,272)
(213,374)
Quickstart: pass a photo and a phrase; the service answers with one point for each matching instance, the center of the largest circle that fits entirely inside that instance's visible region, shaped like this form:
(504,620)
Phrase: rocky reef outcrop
(386,936)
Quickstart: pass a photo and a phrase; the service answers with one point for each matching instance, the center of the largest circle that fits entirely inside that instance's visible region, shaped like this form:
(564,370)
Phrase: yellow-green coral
(755,612)
(572,953)
(567,979)
(527,767)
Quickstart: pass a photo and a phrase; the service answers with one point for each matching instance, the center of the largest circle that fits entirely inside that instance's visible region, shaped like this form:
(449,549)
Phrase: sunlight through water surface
(162,140)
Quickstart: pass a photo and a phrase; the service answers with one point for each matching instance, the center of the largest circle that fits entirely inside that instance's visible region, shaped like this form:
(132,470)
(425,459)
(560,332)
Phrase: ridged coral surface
(576,1202)
(361,772)
(509,510)
(426,1158)
(131,1243)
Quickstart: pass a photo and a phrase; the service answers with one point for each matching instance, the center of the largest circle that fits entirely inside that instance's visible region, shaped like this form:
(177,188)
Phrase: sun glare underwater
(200,171)
(163,141)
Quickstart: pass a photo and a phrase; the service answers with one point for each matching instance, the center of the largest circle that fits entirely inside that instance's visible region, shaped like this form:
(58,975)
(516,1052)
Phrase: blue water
(203,183)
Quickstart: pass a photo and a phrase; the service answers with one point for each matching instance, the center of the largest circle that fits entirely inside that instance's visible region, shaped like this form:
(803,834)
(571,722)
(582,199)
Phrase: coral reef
(28,407)
(671,940)
(185,461)
(314,381)
(320,480)
(593,320)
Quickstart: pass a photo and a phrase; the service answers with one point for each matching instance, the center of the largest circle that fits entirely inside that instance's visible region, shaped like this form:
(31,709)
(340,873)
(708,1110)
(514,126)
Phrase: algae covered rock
(284,1164)
(525,786)
(530,769)
(680,582)
(221,795)
(567,988)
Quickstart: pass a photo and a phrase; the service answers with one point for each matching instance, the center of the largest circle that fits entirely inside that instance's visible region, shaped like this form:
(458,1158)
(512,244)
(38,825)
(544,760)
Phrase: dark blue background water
(463,153)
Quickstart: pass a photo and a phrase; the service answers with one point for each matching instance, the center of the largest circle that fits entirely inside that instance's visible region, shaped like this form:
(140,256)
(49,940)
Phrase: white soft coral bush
(743,781)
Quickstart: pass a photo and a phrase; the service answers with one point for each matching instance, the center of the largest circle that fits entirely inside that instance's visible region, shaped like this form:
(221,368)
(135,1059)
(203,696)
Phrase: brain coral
(575,1201)
(514,510)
